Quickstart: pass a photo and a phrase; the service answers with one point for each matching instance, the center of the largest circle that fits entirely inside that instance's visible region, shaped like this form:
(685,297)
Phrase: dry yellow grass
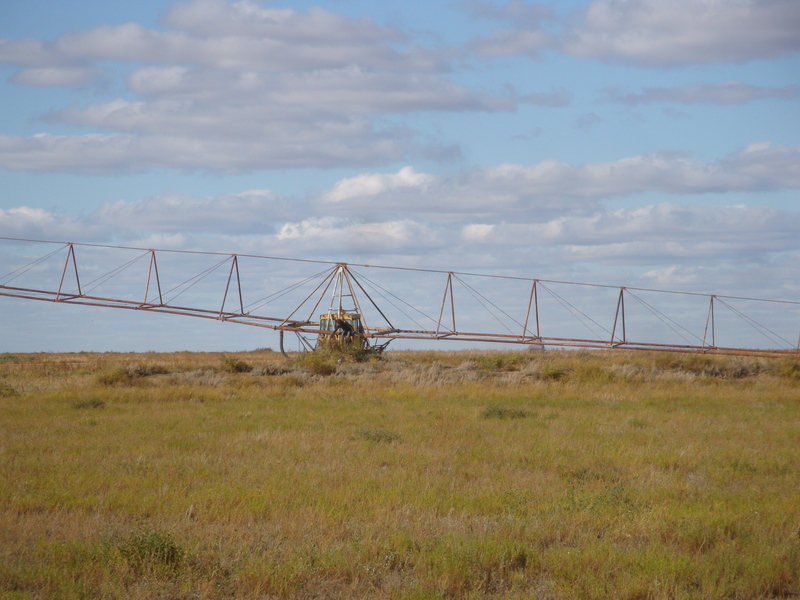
(424,475)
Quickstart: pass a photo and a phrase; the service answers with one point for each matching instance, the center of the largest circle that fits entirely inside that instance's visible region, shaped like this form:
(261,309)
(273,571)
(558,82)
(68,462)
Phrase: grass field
(558,475)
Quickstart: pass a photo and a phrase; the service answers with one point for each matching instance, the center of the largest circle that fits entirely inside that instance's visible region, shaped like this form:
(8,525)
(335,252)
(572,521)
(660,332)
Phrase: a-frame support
(448,292)
(234,269)
(153,270)
(533,302)
(710,321)
(70,255)
(619,317)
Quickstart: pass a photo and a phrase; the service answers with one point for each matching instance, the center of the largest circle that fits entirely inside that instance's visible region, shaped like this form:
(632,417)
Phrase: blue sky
(628,142)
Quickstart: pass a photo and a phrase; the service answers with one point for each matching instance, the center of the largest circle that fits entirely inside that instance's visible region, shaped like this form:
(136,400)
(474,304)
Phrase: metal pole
(239,285)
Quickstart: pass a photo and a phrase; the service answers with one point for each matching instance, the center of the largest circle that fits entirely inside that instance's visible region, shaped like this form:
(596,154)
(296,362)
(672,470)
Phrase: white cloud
(658,243)
(665,244)
(31,53)
(248,213)
(673,276)
(214,18)
(370,185)
(237,86)
(544,190)
(241,35)
(657,33)
(330,145)
(767,167)
(514,10)
(477,232)
(37,223)
(524,34)
(657,225)
(724,93)
(333,236)
(56,76)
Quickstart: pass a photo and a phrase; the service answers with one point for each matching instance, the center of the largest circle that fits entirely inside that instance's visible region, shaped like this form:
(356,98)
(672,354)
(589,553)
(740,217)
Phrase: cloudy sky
(625,142)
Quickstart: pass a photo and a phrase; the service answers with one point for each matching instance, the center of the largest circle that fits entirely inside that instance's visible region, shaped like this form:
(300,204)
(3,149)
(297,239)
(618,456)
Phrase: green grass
(424,475)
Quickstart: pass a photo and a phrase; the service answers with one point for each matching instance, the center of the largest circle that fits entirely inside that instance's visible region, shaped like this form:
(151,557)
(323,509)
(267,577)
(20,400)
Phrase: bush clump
(89,403)
(272,369)
(377,434)
(118,376)
(789,368)
(318,363)
(131,375)
(232,364)
(501,412)
(151,548)
(6,391)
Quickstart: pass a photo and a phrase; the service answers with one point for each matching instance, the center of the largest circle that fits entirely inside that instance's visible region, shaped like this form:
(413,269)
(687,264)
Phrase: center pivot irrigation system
(369,306)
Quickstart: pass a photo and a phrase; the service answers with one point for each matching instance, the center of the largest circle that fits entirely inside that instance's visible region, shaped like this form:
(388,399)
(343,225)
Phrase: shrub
(318,363)
(117,376)
(207,377)
(137,370)
(377,434)
(89,403)
(789,368)
(232,364)
(151,548)
(272,369)
(6,391)
(552,373)
(501,412)
(502,361)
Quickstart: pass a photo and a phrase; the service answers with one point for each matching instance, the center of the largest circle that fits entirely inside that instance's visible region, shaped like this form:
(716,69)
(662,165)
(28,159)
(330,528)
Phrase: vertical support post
(70,254)
(448,289)
(338,288)
(153,268)
(239,285)
(348,278)
(710,321)
(620,312)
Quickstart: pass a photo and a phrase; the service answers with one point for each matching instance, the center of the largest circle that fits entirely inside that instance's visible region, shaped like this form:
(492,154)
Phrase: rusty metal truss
(397,302)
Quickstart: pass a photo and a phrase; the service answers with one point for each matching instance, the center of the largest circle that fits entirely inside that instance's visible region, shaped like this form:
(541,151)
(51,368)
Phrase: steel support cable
(758,326)
(377,289)
(396,297)
(195,280)
(573,309)
(283,291)
(480,298)
(658,314)
(27,267)
(357,281)
(110,274)
(393,305)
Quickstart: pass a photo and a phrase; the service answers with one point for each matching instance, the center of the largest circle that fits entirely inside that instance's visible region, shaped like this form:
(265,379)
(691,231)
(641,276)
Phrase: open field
(557,475)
